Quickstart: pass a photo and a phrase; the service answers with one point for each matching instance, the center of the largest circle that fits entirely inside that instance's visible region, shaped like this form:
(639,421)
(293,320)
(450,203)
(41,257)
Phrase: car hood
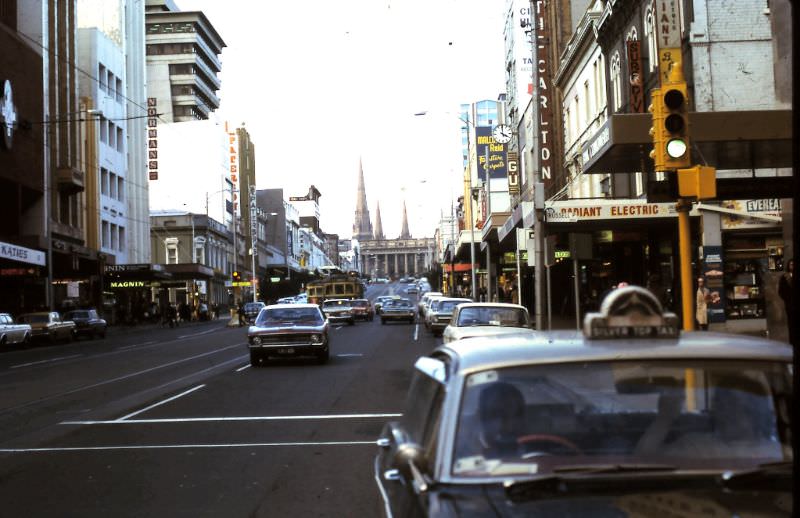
(483,501)
(287,327)
(474,331)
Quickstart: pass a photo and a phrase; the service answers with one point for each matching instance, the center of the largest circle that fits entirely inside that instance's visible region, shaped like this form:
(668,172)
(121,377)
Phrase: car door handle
(391,474)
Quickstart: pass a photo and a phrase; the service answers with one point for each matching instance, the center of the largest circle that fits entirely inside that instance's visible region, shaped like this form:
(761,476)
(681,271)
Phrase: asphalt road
(168,422)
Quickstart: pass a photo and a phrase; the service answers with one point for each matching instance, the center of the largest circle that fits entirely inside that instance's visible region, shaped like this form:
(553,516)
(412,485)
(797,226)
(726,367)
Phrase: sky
(323,85)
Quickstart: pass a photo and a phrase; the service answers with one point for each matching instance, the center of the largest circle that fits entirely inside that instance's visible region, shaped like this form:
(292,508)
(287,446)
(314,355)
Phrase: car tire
(351,322)
(322,357)
(255,359)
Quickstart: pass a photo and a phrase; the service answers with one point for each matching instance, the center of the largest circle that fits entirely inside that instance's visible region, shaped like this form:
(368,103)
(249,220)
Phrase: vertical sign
(544,93)
(523,41)
(496,153)
(253,220)
(233,165)
(152,138)
(635,79)
(668,37)
(513,174)
(712,271)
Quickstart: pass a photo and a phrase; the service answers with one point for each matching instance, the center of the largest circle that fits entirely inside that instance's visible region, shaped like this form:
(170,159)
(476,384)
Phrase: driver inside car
(502,418)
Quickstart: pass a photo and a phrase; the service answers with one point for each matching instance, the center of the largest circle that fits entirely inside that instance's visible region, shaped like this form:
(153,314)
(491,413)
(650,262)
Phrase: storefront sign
(544,93)
(751,214)
(21,254)
(635,79)
(16,272)
(152,138)
(116,285)
(668,37)
(8,115)
(113,268)
(571,211)
(513,173)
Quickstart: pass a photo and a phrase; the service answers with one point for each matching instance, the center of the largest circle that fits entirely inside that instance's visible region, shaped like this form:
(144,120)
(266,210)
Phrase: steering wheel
(556,439)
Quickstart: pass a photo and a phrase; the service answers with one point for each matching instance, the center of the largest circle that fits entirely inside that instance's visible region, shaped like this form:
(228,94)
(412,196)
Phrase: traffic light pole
(685,253)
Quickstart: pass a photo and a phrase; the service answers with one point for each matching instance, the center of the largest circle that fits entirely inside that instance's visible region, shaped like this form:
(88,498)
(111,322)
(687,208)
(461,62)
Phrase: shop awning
(514,220)
(490,229)
(458,267)
(754,139)
(188,271)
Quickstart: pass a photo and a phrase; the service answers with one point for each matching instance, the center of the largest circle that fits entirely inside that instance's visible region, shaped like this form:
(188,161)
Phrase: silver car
(487,319)
(339,310)
(440,313)
(630,417)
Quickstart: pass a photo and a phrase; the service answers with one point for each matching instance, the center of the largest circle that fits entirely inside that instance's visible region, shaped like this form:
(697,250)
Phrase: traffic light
(656,108)
(677,153)
(236,276)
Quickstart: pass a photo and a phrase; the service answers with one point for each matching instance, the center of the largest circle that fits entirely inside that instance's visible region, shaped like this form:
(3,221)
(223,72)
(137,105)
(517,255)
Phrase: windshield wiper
(772,474)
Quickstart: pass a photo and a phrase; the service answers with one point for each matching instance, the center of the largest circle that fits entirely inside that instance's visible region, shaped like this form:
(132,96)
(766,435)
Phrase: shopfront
(22,277)
(134,293)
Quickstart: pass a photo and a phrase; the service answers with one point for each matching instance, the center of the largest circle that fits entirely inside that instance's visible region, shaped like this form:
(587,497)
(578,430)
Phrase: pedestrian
(214,310)
(785,287)
(240,311)
(702,298)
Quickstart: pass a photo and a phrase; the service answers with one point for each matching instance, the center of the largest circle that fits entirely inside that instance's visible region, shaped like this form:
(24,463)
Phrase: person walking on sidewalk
(785,286)
(240,311)
(702,298)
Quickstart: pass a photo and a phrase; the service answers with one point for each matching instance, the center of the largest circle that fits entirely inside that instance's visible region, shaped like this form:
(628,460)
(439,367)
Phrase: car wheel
(254,359)
(351,322)
(27,340)
(322,357)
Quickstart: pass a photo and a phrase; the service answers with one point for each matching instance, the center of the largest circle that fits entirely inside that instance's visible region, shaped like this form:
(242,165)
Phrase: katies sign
(21,254)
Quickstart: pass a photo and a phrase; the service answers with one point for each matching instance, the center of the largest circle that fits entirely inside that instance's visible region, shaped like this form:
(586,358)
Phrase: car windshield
(253,306)
(335,303)
(492,316)
(360,303)
(547,418)
(76,314)
(447,306)
(34,319)
(272,316)
(398,304)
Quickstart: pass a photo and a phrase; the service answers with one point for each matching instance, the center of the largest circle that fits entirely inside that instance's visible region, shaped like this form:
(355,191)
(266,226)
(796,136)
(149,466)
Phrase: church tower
(378,223)
(362,227)
(405,233)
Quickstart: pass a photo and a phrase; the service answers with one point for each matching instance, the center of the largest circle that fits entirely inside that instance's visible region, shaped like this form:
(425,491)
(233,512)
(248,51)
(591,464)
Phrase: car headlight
(316,338)
(256,340)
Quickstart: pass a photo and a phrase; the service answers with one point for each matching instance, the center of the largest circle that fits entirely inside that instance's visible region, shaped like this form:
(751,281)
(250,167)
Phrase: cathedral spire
(405,233)
(362,227)
(378,223)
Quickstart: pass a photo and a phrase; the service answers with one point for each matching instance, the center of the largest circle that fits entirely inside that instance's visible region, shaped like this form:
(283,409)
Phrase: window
(103,130)
(101,76)
(112,181)
(114,236)
(587,104)
(104,181)
(106,235)
(171,246)
(120,188)
(119,90)
(112,135)
(111,82)
(120,140)
(616,81)
(121,239)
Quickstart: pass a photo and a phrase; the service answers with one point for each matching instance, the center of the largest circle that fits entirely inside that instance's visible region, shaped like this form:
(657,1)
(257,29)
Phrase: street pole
(472,241)
(684,246)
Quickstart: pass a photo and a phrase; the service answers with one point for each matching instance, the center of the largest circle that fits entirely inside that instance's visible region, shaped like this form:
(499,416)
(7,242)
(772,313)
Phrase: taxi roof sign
(631,312)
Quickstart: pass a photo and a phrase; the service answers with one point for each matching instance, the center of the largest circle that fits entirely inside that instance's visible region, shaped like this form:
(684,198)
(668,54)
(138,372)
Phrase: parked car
(338,310)
(630,418)
(13,333)
(397,309)
(288,331)
(362,310)
(441,312)
(251,310)
(487,319)
(203,312)
(87,323)
(423,302)
(412,288)
(49,326)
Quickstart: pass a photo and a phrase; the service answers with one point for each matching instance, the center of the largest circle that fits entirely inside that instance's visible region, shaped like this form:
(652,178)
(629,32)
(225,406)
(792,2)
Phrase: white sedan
(487,319)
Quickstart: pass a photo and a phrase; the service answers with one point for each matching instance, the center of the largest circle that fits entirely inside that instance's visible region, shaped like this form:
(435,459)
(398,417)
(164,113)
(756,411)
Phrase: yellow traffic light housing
(656,108)
(236,276)
(677,153)
(697,182)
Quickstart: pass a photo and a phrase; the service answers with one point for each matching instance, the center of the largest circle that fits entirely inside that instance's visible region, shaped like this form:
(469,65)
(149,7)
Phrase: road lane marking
(138,373)
(232,419)
(200,333)
(416,331)
(349,355)
(173,398)
(135,345)
(186,446)
(240,369)
(45,361)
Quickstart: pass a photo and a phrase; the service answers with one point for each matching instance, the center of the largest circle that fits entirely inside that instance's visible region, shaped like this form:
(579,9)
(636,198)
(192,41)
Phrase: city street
(175,422)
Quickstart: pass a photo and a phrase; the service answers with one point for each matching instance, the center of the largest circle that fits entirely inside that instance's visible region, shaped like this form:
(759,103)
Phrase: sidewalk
(124,329)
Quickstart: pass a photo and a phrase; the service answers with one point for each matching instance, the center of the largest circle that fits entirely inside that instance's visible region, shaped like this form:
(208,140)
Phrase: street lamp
(469,190)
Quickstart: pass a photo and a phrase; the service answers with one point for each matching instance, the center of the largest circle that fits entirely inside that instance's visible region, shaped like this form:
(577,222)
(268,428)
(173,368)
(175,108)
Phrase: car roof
(481,353)
(291,306)
(492,305)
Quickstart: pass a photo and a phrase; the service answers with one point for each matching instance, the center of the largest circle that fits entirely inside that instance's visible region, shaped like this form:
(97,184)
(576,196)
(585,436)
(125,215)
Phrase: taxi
(482,319)
(630,417)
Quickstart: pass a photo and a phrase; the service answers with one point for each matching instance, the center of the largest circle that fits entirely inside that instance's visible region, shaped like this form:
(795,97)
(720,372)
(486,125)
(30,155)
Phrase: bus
(335,286)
